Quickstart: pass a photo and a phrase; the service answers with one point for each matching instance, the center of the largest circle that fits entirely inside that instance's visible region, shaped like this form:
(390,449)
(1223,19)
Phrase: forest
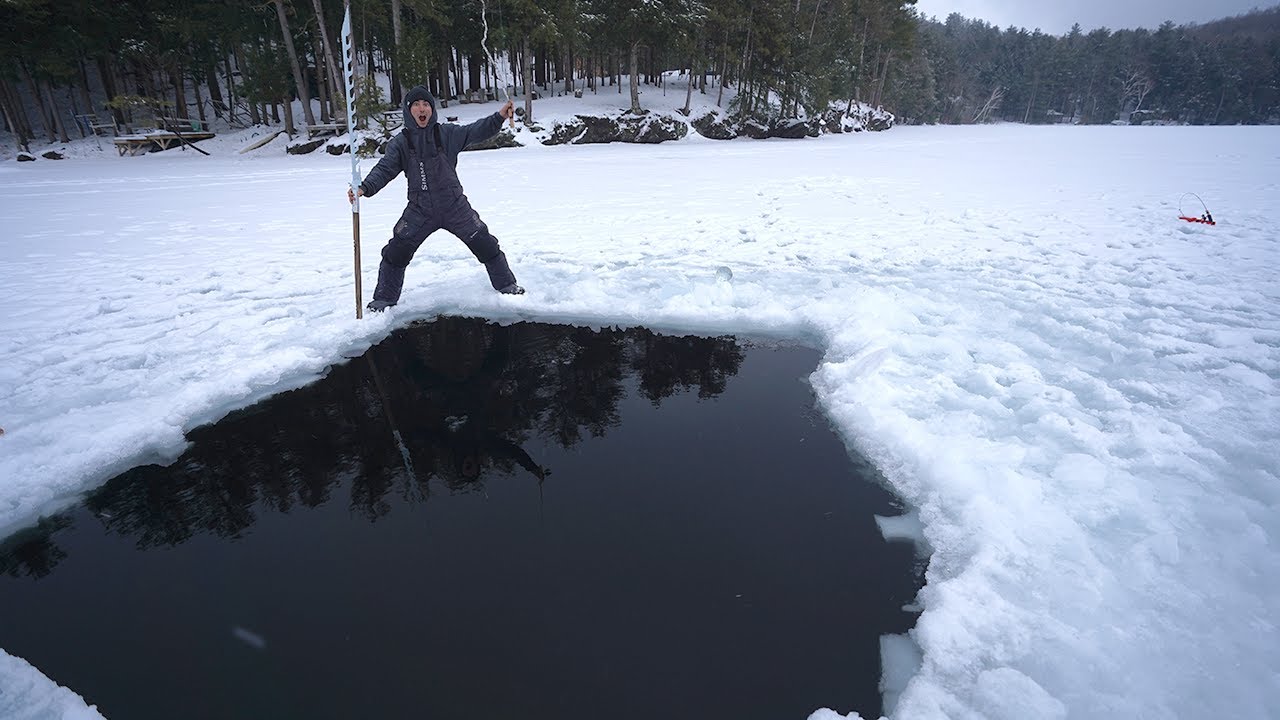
(73,65)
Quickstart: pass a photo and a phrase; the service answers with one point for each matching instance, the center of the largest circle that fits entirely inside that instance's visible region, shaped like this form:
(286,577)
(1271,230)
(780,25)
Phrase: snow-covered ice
(1076,392)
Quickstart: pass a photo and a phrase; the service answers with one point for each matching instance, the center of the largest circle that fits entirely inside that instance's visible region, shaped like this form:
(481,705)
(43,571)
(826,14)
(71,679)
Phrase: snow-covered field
(1077,391)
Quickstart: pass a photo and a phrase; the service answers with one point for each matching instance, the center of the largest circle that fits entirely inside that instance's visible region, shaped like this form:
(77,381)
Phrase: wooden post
(355,235)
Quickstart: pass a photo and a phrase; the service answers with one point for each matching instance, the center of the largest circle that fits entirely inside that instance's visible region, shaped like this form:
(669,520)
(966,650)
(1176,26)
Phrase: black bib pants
(436,202)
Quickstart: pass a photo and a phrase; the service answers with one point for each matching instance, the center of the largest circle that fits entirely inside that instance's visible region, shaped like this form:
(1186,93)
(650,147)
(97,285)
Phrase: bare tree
(1135,83)
(991,105)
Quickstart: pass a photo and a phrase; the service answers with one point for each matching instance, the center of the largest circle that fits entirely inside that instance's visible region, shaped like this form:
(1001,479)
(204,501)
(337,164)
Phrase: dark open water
(475,521)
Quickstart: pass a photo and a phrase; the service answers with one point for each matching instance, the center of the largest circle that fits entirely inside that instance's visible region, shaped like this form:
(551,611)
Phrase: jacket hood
(419,93)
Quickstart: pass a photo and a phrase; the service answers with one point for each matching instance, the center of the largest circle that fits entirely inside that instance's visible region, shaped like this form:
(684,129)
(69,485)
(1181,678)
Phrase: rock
(26,157)
(302,147)
(879,121)
(597,130)
(341,148)
(504,139)
(753,128)
(833,121)
(52,155)
(791,129)
(659,128)
(566,132)
(715,126)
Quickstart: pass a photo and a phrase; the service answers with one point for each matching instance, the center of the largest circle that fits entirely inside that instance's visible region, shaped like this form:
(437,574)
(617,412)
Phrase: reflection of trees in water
(32,551)
(454,400)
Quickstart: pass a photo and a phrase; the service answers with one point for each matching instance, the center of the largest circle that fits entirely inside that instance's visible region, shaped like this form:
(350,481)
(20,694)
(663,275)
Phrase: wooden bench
(325,129)
(159,140)
(92,124)
(182,125)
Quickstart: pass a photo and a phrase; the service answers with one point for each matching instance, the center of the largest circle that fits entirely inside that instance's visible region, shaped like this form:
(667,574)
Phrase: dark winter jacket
(428,156)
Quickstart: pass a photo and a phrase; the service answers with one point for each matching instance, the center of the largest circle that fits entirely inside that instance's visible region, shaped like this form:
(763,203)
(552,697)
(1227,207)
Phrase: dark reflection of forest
(453,401)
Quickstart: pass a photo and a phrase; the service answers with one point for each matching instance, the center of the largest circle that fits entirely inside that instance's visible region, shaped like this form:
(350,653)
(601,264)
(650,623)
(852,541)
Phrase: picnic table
(156,140)
(182,125)
(325,129)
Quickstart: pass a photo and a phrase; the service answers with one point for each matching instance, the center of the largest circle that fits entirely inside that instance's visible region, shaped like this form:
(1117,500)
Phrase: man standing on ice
(426,151)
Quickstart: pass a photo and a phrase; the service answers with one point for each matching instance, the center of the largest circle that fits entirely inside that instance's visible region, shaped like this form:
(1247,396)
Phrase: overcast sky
(1055,16)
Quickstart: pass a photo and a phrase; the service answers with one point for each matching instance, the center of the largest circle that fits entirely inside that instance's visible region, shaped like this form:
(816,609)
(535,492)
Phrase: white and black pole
(349,60)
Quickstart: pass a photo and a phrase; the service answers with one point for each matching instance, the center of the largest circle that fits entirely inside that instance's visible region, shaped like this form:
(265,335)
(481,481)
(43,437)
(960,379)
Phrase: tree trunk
(179,94)
(298,79)
(862,58)
(17,113)
(568,71)
(328,105)
(884,74)
(331,60)
(85,95)
(288,117)
(396,33)
(746,61)
(634,74)
(40,107)
(215,94)
(254,117)
(444,94)
(231,91)
(724,73)
(195,87)
(58,122)
(473,73)
(107,75)
(459,85)
(528,84)
(688,91)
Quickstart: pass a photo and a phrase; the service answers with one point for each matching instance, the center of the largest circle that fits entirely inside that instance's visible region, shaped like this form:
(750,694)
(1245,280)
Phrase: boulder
(715,126)
(833,121)
(660,128)
(566,132)
(879,121)
(504,139)
(26,157)
(52,155)
(791,129)
(302,147)
(597,130)
(754,129)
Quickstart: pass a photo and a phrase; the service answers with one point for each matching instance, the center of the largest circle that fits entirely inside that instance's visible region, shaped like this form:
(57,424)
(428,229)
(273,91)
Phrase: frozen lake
(1075,391)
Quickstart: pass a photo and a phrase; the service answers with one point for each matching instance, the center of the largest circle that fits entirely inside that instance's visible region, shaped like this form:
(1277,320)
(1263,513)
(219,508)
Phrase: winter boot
(387,292)
(500,275)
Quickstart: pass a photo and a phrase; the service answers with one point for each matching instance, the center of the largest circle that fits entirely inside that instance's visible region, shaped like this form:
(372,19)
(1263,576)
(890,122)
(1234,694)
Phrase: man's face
(421,112)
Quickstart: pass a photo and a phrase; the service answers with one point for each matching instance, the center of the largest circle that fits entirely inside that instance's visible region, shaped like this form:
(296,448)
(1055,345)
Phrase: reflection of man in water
(465,399)
(472,443)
